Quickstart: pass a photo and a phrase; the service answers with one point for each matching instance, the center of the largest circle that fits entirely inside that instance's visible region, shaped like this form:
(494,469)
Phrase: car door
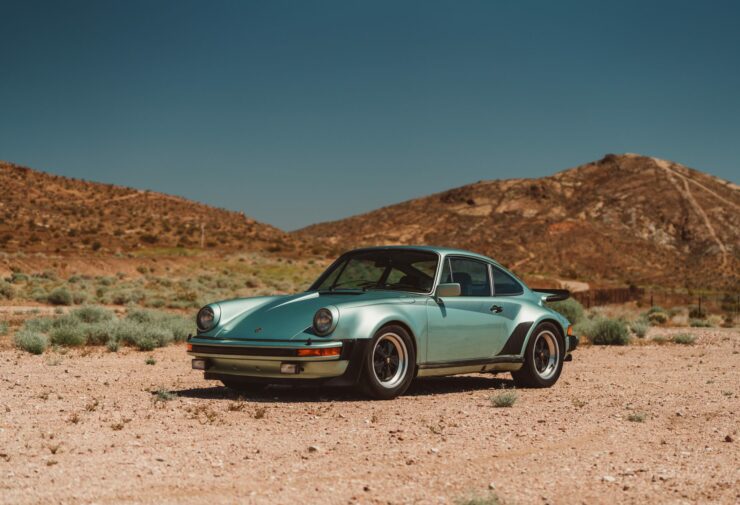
(506,306)
(463,328)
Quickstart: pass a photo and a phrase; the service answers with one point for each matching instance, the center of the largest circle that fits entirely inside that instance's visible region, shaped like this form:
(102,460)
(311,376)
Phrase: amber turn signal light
(190,347)
(320,351)
(570,331)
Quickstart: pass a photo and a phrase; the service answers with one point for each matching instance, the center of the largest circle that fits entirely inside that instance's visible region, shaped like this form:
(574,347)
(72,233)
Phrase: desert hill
(623,219)
(40,212)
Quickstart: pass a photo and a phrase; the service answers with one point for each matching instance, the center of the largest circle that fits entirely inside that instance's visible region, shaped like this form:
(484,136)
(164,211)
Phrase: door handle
(496,308)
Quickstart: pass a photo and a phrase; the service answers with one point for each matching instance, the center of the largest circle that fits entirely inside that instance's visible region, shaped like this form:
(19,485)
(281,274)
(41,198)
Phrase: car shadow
(307,393)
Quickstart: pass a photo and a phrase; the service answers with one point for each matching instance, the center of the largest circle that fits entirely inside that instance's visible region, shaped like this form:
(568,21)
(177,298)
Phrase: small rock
(366,488)
(434,450)
(728,438)
(491,486)
(313,448)
(608,478)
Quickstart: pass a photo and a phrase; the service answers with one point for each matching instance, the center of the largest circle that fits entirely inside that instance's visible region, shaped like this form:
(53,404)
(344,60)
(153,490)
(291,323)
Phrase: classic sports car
(380,317)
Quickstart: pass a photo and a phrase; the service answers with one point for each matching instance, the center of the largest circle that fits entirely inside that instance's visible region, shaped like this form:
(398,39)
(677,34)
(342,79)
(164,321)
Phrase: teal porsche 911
(380,317)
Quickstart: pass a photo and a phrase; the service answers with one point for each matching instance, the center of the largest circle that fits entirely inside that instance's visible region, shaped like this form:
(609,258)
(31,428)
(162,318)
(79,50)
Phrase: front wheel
(543,358)
(389,365)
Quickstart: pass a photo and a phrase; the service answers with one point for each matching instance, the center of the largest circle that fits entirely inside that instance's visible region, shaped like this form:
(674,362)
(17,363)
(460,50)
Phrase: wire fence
(713,302)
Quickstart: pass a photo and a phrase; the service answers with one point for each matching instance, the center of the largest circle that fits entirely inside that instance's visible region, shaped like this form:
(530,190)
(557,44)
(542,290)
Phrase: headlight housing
(207,318)
(323,322)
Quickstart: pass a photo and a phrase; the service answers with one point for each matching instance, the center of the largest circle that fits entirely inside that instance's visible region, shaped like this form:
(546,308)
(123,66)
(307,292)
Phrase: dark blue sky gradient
(298,112)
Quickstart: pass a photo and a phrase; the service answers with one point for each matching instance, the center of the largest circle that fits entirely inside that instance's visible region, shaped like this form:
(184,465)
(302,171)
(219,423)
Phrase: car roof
(444,251)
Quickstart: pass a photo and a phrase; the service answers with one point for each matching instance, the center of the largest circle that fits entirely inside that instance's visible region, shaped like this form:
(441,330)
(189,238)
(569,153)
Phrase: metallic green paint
(445,329)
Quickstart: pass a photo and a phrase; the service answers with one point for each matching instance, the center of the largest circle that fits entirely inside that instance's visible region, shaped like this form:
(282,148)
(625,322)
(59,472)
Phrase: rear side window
(505,284)
(472,276)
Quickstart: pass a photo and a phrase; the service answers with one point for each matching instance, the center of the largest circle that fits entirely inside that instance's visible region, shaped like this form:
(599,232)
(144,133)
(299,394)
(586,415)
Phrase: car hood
(289,317)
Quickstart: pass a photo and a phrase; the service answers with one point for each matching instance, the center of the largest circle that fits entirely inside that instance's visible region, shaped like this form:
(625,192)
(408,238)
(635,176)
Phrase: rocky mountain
(40,212)
(625,219)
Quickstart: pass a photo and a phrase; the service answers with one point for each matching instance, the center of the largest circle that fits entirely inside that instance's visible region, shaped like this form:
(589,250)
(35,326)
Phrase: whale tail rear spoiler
(553,295)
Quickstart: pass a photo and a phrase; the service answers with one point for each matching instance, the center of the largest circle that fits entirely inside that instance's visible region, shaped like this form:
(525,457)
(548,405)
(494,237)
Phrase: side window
(472,276)
(505,284)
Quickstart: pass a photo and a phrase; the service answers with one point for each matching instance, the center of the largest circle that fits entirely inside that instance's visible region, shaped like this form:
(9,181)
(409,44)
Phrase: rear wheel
(543,358)
(389,365)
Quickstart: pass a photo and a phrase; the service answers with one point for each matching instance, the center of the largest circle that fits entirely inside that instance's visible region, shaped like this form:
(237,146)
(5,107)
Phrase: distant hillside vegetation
(40,212)
(625,218)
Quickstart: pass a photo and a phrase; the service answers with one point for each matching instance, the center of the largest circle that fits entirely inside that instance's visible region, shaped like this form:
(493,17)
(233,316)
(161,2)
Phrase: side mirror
(449,289)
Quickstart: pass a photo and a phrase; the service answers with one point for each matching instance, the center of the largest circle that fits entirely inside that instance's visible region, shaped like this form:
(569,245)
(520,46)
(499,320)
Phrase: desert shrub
(3,328)
(657,318)
(655,308)
(79,297)
(92,314)
(31,341)
(609,332)
(505,399)
(112,345)
(639,328)
(697,312)
(100,333)
(154,303)
(126,296)
(7,291)
(60,296)
(684,339)
(660,339)
(18,277)
(68,332)
(637,417)
(569,308)
(39,324)
(699,323)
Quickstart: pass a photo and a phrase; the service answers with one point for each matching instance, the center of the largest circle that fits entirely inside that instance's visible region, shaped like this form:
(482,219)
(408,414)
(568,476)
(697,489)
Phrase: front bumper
(257,362)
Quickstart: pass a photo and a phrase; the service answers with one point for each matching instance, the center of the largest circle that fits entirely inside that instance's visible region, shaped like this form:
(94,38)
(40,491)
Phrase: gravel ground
(85,427)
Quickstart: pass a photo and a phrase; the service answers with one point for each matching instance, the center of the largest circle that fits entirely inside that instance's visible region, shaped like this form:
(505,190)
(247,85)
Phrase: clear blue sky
(299,112)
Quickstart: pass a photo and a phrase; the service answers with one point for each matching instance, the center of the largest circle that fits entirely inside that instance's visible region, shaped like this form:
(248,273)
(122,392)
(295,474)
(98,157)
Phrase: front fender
(364,322)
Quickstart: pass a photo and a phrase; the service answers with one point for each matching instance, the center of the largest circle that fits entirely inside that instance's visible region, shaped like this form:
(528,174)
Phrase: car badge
(257,329)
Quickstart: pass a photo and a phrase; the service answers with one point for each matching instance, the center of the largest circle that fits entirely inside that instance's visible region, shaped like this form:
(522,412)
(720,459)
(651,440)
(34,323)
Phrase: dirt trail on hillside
(86,428)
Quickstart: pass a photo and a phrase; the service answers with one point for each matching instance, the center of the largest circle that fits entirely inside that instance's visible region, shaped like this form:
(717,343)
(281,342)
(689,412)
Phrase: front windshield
(394,269)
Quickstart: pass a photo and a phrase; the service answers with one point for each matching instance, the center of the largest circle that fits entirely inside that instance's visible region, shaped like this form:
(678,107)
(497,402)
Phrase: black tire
(538,371)
(384,378)
(243,385)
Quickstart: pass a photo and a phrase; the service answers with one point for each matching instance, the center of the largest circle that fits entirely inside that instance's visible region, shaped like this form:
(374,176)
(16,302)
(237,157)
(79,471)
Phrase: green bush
(684,339)
(7,291)
(657,318)
(31,341)
(112,345)
(92,314)
(68,332)
(697,312)
(505,399)
(3,328)
(655,308)
(100,333)
(609,332)
(569,308)
(699,323)
(639,328)
(60,296)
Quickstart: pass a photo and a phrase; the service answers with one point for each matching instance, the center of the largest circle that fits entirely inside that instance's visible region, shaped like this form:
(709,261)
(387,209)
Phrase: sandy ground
(85,428)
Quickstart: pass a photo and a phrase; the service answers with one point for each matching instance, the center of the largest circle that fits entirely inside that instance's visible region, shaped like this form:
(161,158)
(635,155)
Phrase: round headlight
(322,321)
(206,319)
